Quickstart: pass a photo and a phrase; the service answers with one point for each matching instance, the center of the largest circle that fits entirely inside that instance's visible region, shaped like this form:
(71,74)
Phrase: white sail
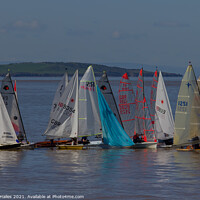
(7,132)
(10,100)
(59,92)
(106,90)
(187,116)
(164,122)
(127,104)
(153,95)
(64,116)
(89,118)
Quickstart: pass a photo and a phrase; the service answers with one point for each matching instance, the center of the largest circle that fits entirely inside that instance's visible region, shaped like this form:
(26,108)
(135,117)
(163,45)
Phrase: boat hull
(91,145)
(50,144)
(27,146)
(10,146)
(145,145)
(185,150)
(71,147)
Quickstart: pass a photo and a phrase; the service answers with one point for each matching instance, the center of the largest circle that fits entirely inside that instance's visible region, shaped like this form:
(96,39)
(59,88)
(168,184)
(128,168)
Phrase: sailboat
(187,116)
(113,133)
(11,103)
(8,138)
(164,122)
(143,124)
(127,104)
(51,141)
(76,114)
(106,90)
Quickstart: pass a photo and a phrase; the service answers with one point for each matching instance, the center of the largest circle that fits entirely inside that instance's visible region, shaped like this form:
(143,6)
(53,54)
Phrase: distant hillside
(58,69)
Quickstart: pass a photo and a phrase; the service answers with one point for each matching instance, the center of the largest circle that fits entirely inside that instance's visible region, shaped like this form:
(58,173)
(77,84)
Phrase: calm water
(94,174)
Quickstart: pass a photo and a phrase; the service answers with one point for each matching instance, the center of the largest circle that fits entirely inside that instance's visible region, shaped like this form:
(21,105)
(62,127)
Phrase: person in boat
(196,146)
(136,138)
(51,141)
(84,140)
(74,141)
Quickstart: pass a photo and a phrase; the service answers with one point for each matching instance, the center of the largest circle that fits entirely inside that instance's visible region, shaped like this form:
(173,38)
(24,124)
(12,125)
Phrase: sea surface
(92,174)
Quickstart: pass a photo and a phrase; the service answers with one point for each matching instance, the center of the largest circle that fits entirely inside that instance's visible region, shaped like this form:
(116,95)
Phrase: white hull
(145,145)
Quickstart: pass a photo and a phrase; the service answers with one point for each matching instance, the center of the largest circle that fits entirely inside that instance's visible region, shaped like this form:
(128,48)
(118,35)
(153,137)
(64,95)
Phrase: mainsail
(164,122)
(143,122)
(153,95)
(187,116)
(106,90)
(89,119)
(63,117)
(113,133)
(10,100)
(7,132)
(127,104)
(59,92)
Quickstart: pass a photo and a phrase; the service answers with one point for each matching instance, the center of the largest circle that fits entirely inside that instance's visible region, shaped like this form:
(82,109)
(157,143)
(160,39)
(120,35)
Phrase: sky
(163,33)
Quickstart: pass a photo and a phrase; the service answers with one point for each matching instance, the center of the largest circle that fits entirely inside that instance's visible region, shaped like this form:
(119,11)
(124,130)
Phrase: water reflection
(9,159)
(188,164)
(74,161)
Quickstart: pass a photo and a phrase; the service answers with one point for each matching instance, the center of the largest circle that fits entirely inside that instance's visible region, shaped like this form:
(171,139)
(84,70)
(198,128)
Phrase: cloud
(171,24)
(26,25)
(79,33)
(21,25)
(117,35)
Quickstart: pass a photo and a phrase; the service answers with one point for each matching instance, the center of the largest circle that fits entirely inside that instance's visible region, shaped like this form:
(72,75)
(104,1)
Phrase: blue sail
(113,133)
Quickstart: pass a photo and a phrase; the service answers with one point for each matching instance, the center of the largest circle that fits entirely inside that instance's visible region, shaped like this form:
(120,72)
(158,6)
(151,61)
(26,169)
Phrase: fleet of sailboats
(81,109)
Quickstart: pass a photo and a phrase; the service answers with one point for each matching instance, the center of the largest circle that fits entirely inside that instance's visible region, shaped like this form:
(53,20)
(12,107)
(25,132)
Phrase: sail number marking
(88,86)
(182,103)
(65,107)
(182,106)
